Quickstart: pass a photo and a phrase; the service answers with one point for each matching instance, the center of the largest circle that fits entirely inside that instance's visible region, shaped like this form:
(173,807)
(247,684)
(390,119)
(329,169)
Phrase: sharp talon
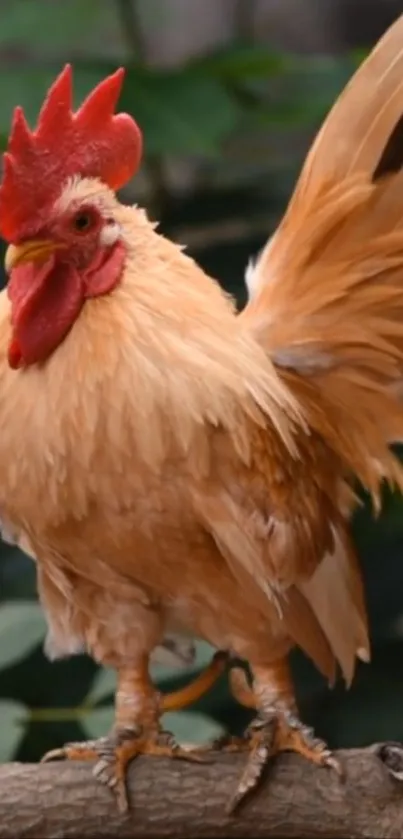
(203,749)
(228,743)
(267,736)
(100,766)
(114,753)
(233,804)
(101,771)
(335,764)
(54,754)
(251,777)
(192,756)
(122,801)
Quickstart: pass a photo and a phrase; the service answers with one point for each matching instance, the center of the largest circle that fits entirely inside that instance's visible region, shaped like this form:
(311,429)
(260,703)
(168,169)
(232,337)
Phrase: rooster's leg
(276,727)
(137,729)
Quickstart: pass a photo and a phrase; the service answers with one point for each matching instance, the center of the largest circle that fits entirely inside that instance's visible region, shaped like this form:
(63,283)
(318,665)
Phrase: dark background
(229,94)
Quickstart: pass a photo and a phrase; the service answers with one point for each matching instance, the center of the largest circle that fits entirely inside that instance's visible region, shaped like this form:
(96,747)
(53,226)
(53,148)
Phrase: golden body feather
(198,495)
(174,403)
(175,466)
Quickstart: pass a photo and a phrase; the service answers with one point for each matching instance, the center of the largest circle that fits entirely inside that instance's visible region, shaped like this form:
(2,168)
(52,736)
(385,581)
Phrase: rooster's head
(57,211)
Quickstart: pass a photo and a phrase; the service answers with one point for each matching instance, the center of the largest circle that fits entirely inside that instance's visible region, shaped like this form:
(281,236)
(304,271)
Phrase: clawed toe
(114,753)
(74,751)
(265,738)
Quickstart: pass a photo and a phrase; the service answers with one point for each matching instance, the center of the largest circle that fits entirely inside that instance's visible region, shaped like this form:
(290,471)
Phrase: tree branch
(178,800)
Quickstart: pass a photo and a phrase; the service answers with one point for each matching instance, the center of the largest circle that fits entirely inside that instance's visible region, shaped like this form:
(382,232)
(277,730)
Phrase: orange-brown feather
(327,305)
(176,467)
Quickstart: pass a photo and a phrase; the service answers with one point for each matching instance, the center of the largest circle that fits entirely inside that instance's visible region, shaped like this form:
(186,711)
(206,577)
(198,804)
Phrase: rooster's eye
(83,221)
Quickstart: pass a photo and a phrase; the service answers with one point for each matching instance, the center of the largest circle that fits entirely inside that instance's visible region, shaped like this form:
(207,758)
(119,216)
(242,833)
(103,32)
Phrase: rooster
(175,467)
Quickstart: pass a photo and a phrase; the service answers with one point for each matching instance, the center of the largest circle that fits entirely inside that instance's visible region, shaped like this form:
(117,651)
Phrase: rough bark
(181,800)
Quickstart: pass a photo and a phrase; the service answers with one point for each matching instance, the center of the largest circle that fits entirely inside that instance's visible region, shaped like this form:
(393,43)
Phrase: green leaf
(318,80)
(47,24)
(17,573)
(238,62)
(104,685)
(22,627)
(192,727)
(304,95)
(180,112)
(204,653)
(359,55)
(187,727)
(98,722)
(284,114)
(11,731)
(27,86)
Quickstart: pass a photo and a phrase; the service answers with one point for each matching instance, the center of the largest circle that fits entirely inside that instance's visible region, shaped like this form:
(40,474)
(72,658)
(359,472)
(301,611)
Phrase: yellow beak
(35,250)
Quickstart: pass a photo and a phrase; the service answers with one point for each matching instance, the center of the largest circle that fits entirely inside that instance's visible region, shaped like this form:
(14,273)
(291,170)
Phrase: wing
(278,525)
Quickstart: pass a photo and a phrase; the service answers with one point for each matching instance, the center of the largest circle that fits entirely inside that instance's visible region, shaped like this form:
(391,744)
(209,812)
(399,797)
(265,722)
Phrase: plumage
(176,467)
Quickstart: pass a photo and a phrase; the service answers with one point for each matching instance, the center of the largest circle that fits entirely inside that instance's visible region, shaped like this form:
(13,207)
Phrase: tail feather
(327,305)
(363,129)
(335,595)
(331,318)
(343,255)
(305,628)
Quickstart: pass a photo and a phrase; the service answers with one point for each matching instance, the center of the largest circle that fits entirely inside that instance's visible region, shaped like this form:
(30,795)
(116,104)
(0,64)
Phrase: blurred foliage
(191,109)
(244,114)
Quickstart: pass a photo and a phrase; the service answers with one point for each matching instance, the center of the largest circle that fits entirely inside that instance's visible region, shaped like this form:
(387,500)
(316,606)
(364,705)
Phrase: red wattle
(45,302)
(14,354)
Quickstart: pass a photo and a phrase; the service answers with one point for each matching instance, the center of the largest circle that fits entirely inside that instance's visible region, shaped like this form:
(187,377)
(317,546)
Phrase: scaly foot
(128,740)
(276,727)
(268,735)
(114,753)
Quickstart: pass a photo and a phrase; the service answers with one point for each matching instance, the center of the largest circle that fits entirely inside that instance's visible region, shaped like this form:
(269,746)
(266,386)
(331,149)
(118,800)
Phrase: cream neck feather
(134,384)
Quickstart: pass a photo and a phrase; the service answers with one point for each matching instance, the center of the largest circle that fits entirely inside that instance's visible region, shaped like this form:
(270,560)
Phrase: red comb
(93,142)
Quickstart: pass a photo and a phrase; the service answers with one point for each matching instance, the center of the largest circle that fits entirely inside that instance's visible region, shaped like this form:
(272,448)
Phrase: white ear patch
(109,234)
